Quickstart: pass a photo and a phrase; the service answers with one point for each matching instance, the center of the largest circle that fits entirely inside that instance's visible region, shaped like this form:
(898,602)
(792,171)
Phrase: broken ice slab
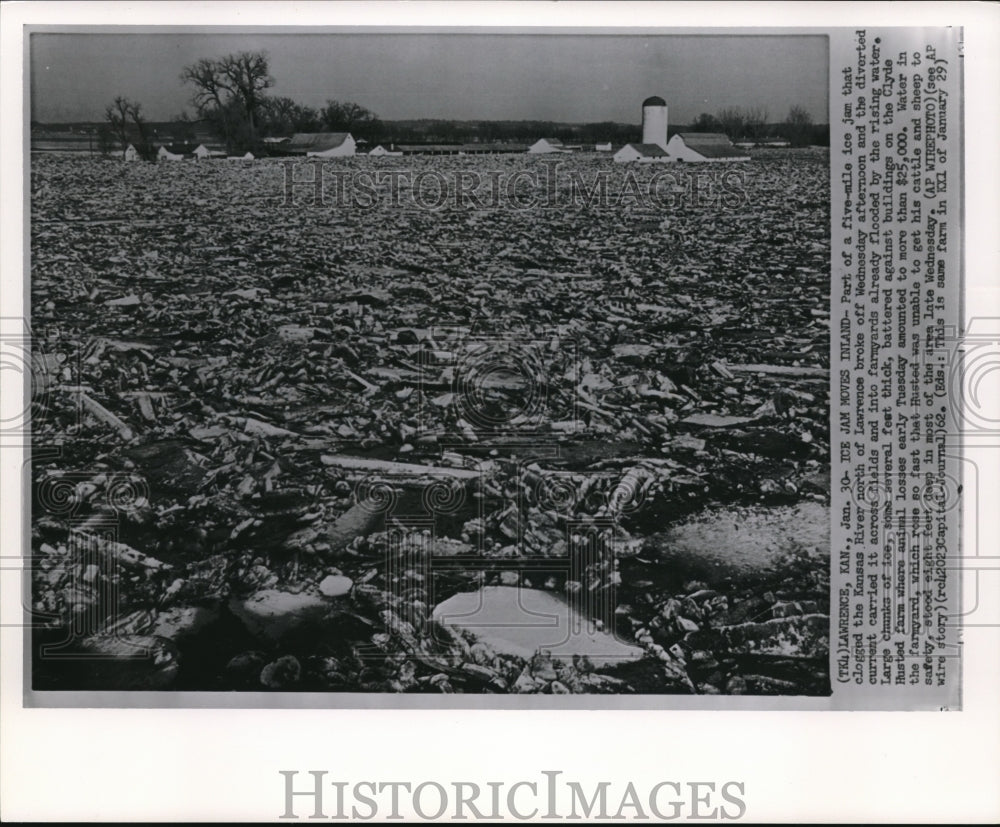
(782,370)
(131,300)
(403,469)
(521,622)
(708,420)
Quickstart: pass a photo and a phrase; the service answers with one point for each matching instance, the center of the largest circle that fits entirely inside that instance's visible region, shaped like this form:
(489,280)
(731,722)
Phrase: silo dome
(655,100)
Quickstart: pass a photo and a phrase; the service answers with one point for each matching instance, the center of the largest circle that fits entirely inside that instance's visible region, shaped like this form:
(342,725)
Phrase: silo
(654,121)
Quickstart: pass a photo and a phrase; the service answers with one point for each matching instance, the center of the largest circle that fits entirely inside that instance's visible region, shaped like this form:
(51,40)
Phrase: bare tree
(247,77)
(125,119)
(347,116)
(706,123)
(105,139)
(755,122)
(117,115)
(281,116)
(276,115)
(305,119)
(731,121)
(211,93)
(233,85)
(798,125)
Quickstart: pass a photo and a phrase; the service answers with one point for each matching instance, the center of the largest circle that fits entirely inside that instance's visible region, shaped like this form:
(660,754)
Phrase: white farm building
(544,146)
(653,148)
(321,144)
(201,152)
(684,146)
(643,153)
(381,150)
(711,147)
(165,154)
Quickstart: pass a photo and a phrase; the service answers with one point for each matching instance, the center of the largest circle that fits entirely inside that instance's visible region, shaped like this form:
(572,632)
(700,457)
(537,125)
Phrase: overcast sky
(567,78)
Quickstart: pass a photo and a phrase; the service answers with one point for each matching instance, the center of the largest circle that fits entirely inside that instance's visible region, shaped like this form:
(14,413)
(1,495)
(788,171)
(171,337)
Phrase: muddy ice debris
(282,673)
(801,636)
(273,614)
(128,662)
(327,354)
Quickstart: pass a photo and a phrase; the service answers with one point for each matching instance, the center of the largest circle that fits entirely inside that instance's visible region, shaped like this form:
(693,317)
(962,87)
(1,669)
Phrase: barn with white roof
(712,147)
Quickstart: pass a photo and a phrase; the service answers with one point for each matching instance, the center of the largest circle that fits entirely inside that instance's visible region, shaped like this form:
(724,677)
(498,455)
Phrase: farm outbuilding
(174,152)
(275,145)
(545,146)
(321,144)
(131,153)
(381,150)
(201,152)
(705,147)
(643,153)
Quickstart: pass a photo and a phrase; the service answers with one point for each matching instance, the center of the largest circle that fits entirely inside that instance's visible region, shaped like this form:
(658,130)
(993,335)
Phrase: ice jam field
(466,424)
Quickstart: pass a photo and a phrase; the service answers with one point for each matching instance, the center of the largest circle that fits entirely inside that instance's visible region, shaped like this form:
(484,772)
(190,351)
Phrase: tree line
(231,93)
(125,123)
(753,123)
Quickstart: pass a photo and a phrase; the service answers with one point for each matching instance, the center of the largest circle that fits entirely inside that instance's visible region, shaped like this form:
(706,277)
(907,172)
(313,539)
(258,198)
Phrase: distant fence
(84,147)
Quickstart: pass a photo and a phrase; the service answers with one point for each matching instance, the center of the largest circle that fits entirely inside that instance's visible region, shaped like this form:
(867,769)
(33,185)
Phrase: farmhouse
(201,152)
(320,144)
(643,153)
(131,153)
(705,147)
(175,152)
(544,146)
